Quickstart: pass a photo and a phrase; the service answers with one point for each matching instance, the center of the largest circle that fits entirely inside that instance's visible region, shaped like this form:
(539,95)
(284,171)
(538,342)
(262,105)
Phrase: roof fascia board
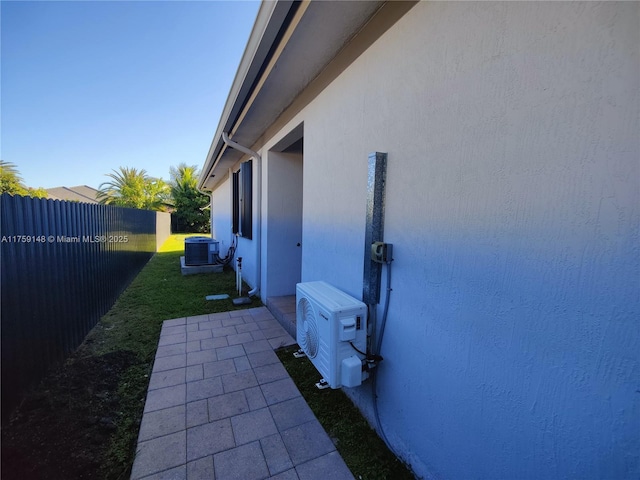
(389,13)
(272,61)
(262,54)
(269,21)
(241,101)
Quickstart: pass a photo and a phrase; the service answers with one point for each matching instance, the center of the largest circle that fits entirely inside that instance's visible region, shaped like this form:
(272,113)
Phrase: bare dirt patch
(62,429)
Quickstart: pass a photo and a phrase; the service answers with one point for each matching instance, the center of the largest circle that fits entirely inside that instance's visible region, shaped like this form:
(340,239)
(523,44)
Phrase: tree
(10,179)
(11,182)
(190,204)
(158,195)
(37,192)
(133,188)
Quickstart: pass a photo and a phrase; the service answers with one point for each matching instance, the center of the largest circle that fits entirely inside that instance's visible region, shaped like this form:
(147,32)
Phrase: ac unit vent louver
(200,250)
(331,327)
(309,340)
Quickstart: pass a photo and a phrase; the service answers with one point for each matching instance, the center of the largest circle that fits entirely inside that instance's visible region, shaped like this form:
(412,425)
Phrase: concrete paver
(220,405)
(245,462)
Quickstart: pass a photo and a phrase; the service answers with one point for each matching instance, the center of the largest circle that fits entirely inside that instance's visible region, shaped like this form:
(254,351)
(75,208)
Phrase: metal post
(374,225)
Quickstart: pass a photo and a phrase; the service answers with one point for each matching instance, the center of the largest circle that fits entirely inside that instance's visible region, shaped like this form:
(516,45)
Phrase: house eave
(283,56)
(269,21)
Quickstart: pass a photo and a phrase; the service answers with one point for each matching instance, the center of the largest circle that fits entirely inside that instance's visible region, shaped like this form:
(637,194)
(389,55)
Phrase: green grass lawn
(363,451)
(159,293)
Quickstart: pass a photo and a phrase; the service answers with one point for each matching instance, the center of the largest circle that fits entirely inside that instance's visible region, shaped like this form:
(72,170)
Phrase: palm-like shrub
(11,182)
(10,179)
(190,204)
(133,188)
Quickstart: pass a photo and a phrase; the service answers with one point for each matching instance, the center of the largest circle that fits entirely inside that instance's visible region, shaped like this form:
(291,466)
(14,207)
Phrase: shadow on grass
(82,421)
(160,292)
(362,449)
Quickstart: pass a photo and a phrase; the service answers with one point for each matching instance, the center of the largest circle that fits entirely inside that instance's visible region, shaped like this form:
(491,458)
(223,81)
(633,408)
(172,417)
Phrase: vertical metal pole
(375,225)
(374,233)
(239,276)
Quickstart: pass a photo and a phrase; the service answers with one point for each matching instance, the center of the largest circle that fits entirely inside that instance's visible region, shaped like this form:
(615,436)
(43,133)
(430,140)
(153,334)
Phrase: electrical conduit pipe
(258,159)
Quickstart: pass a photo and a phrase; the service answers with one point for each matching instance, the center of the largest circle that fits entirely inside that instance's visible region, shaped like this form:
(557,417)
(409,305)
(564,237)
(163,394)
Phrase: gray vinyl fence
(63,265)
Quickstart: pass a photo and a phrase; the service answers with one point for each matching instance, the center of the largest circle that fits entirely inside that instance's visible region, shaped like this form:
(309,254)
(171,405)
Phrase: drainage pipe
(258,159)
(239,275)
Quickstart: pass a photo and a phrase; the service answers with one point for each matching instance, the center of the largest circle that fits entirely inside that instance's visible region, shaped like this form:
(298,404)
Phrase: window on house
(235,202)
(242,183)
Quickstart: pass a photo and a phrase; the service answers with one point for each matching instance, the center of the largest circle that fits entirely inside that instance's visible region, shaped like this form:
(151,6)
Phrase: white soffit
(319,33)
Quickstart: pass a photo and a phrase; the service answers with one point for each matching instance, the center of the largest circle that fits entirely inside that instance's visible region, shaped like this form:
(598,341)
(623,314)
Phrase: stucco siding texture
(512,200)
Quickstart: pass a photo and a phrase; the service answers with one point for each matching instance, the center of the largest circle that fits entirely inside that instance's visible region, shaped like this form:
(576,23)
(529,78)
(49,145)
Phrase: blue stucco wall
(513,203)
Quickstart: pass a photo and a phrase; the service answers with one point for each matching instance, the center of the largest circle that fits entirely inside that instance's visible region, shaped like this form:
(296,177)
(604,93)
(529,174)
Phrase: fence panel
(63,265)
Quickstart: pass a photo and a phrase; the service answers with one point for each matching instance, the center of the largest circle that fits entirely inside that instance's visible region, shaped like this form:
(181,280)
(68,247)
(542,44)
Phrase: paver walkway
(221,406)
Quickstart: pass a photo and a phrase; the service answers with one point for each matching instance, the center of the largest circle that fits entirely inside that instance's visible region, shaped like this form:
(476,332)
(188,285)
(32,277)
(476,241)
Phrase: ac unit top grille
(331,299)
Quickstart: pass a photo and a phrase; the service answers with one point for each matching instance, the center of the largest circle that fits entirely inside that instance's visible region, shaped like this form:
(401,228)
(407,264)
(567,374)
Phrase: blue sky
(90,86)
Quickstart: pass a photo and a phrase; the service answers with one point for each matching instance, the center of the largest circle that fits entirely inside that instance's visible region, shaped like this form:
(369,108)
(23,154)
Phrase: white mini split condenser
(331,327)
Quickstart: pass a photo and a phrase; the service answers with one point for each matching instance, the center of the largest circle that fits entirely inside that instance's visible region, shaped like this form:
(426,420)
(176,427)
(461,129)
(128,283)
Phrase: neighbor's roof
(81,193)
(289,47)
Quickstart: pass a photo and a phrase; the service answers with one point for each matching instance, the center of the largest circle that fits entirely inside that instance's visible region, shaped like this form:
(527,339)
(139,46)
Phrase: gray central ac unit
(200,250)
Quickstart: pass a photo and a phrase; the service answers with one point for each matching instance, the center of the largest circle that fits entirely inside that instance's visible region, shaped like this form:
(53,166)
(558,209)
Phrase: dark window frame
(235,203)
(242,203)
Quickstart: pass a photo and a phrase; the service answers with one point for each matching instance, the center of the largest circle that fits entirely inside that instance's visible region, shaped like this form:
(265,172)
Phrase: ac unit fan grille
(309,340)
(196,253)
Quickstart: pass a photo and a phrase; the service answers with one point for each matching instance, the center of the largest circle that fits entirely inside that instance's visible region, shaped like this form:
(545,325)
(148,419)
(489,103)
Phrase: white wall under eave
(221,229)
(282,223)
(512,343)
(221,216)
(247,248)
